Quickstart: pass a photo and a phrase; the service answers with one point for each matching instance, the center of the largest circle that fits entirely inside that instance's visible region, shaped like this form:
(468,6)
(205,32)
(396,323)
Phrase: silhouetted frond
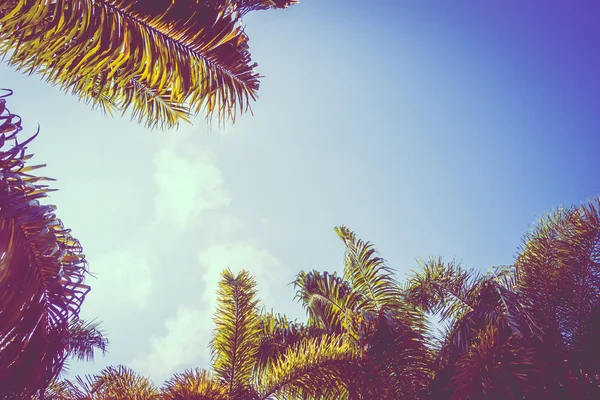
(42,272)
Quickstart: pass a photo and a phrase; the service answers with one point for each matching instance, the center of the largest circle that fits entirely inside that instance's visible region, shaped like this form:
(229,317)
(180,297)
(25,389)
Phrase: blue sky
(438,128)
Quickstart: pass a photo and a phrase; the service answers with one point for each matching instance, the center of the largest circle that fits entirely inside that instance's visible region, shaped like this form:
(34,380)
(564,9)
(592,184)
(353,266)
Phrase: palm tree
(527,331)
(114,383)
(165,59)
(368,308)
(487,348)
(558,272)
(311,368)
(42,270)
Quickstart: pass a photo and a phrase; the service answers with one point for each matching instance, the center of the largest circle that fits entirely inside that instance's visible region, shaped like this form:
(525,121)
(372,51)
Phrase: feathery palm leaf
(41,272)
(237,334)
(368,273)
(312,368)
(330,302)
(164,59)
(84,338)
(194,385)
(278,334)
(558,271)
(115,383)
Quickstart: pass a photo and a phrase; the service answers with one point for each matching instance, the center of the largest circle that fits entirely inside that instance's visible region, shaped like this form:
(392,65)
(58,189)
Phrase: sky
(429,128)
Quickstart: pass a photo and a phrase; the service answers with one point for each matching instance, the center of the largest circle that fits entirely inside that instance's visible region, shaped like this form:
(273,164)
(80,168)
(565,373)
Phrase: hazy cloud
(124,281)
(188,334)
(186,187)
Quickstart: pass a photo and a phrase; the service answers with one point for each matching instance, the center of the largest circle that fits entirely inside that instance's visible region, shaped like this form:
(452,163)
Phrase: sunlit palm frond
(164,59)
(194,385)
(42,272)
(237,334)
(313,368)
(278,334)
(330,302)
(367,273)
(118,383)
(442,287)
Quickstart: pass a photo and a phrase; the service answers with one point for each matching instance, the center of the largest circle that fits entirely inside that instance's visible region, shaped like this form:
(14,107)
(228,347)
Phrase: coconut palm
(367,307)
(42,271)
(164,60)
(311,368)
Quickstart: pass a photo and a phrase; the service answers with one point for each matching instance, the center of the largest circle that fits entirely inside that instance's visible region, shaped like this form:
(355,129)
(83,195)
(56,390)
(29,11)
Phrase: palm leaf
(165,59)
(84,338)
(313,368)
(330,302)
(367,273)
(237,334)
(42,272)
(194,385)
(558,272)
(278,334)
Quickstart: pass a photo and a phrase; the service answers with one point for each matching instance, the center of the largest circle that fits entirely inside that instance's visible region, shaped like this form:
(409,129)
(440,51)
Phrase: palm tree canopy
(164,60)
(558,274)
(42,271)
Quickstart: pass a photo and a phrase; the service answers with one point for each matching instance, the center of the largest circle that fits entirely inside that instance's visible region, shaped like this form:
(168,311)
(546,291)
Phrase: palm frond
(367,273)
(118,383)
(495,369)
(278,334)
(313,368)
(441,287)
(330,302)
(237,334)
(558,272)
(42,272)
(194,385)
(84,338)
(164,59)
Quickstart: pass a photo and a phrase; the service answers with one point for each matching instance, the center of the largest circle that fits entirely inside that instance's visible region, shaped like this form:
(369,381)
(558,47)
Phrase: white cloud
(185,342)
(237,256)
(188,334)
(186,187)
(124,281)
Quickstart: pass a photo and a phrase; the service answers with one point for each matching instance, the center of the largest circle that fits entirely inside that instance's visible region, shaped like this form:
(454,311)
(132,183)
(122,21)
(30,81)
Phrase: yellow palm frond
(237,333)
(164,59)
(194,385)
(42,271)
(368,273)
(313,368)
(116,383)
(330,302)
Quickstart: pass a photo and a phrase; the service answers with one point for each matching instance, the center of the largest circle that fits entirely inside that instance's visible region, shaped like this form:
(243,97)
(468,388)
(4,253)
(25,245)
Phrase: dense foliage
(526,331)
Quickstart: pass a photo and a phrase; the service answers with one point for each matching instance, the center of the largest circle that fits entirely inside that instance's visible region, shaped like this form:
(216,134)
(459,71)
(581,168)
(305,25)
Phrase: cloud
(184,344)
(187,336)
(186,187)
(124,281)
(237,256)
